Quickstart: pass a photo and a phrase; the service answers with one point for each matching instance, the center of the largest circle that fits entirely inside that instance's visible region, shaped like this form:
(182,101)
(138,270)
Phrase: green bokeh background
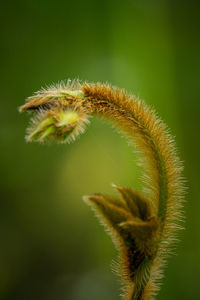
(52,246)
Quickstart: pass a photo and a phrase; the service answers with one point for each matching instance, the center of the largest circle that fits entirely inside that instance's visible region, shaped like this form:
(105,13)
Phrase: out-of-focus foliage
(51,245)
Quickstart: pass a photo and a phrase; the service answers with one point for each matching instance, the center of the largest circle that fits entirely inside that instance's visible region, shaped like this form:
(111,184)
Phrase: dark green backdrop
(52,246)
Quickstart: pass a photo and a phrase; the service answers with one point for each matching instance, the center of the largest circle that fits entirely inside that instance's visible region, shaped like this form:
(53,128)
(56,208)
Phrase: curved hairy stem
(143,227)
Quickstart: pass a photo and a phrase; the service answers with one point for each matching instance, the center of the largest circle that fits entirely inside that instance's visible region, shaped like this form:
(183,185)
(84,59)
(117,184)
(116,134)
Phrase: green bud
(63,126)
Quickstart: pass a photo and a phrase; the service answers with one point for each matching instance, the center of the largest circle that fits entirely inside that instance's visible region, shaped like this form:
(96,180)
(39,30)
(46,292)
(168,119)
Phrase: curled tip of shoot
(60,125)
(53,117)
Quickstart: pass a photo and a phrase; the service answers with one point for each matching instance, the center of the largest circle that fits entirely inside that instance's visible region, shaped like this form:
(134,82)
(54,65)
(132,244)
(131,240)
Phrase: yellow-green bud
(62,126)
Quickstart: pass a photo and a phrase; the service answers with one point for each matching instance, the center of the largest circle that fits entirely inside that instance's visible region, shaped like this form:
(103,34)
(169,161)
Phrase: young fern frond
(143,227)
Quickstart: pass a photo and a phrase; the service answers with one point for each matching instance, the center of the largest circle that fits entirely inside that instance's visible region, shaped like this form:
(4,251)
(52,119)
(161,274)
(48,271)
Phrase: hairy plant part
(143,227)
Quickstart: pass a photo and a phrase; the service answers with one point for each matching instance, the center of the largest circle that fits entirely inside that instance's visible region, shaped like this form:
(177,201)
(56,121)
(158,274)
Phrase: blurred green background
(52,247)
